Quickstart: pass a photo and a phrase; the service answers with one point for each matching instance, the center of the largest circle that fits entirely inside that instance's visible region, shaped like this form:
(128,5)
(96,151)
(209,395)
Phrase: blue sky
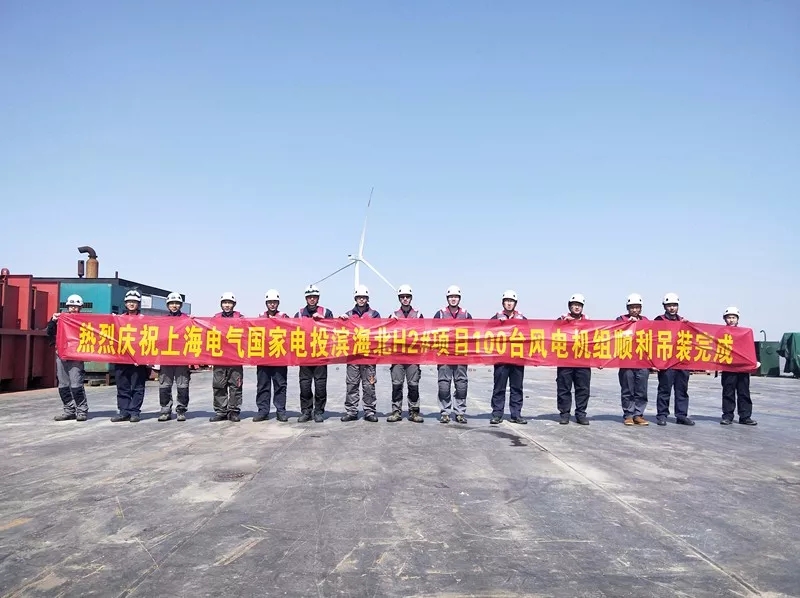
(595,147)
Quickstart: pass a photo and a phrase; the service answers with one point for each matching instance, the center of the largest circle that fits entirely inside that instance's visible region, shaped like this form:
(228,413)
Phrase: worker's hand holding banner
(163,340)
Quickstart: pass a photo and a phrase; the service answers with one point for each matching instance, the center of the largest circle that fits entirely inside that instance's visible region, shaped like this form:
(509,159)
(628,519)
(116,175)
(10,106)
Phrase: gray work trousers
(457,374)
(364,374)
(70,376)
(401,374)
(167,376)
(227,386)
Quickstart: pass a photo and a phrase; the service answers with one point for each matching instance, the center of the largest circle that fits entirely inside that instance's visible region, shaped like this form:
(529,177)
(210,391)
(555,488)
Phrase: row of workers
(452,379)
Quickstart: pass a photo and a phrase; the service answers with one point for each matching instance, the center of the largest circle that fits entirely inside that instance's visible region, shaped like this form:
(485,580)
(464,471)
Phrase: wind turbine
(358,259)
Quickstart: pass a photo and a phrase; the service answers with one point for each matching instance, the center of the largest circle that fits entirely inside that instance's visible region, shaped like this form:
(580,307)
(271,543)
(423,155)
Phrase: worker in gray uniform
(169,375)
(70,373)
(455,374)
(227,379)
(365,374)
(401,373)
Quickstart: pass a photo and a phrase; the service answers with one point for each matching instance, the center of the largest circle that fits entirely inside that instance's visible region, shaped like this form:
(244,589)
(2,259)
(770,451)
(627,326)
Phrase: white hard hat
(312,291)
(361,291)
(670,298)
(405,289)
(453,290)
(227,296)
(174,298)
(577,298)
(634,299)
(731,311)
(133,295)
(509,294)
(74,300)
(272,295)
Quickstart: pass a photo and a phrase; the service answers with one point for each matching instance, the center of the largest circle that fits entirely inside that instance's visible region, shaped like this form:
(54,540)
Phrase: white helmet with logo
(75,300)
(133,295)
(731,311)
(634,299)
(272,295)
(361,291)
(174,298)
(509,294)
(670,298)
(312,291)
(577,298)
(227,296)
(405,289)
(453,290)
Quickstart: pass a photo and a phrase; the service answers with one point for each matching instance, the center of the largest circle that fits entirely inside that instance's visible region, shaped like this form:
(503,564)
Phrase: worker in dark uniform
(313,402)
(671,378)
(633,381)
(404,373)
(70,373)
(450,376)
(508,374)
(736,386)
(271,376)
(130,378)
(227,379)
(173,374)
(567,377)
(364,375)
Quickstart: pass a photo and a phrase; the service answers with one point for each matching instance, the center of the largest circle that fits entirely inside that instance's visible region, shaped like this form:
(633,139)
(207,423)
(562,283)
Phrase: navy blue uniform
(633,384)
(269,377)
(130,380)
(567,377)
(670,379)
(507,375)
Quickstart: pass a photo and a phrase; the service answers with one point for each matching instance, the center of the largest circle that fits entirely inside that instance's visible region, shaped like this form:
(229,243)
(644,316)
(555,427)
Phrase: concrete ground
(404,509)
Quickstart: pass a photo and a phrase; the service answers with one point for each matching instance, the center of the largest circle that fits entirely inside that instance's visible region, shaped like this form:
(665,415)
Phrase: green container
(767,354)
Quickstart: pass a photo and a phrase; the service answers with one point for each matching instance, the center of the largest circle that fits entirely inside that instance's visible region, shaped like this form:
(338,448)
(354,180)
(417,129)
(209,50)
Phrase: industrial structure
(26,303)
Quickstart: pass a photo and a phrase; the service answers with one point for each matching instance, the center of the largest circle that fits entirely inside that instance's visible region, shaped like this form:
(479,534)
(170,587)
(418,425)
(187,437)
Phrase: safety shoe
(394,417)
(165,417)
(748,421)
(347,417)
(260,417)
(582,420)
(318,419)
(81,417)
(370,417)
(518,420)
(64,417)
(684,421)
(281,417)
(181,417)
(661,420)
(564,419)
(135,419)
(444,418)
(219,417)
(640,421)
(496,419)
(725,421)
(628,421)
(234,417)
(121,418)
(304,417)
(415,417)
(460,419)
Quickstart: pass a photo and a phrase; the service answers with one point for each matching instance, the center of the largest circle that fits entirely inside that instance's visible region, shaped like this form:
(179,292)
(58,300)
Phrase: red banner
(164,340)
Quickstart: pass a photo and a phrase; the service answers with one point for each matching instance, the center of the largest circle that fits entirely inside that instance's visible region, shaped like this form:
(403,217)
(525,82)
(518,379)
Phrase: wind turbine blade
(334,273)
(381,276)
(357,280)
(364,230)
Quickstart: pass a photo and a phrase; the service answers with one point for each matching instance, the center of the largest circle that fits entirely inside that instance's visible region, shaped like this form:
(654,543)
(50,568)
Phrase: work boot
(370,417)
(725,421)
(684,421)
(748,421)
(281,417)
(234,416)
(219,417)
(661,420)
(181,416)
(563,419)
(640,421)
(518,420)
(64,417)
(121,418)
(348,417)
(304,417)
(394,417)
(414,416)
(81,417)
(460,419)
(135,419)
(260,417)
(628,421)
(164,417)
(496,419)
(318,419)
(444,418)
(582,420)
